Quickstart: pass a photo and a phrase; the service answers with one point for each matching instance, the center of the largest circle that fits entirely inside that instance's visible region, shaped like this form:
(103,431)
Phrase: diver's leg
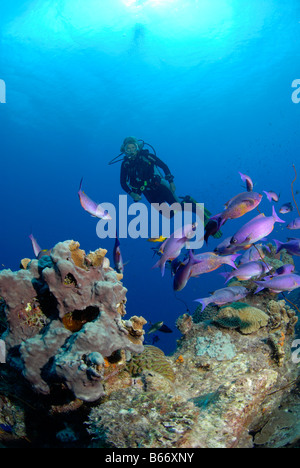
(161,194)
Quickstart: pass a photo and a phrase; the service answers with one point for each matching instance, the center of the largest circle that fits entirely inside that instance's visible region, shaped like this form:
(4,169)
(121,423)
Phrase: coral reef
(133,418)
(153,359)
(64,316)
(218,346)
(63,321)
(247,318)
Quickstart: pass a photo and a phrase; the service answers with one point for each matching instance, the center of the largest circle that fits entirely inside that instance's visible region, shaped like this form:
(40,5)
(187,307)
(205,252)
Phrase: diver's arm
(158,162)
(123,179)
(168,176)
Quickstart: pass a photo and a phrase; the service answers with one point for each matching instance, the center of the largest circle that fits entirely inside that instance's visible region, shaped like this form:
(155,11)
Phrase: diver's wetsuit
(139,174)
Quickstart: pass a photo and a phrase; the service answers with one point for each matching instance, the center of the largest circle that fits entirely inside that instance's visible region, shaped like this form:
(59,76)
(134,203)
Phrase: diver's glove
(136,197)
(169,178)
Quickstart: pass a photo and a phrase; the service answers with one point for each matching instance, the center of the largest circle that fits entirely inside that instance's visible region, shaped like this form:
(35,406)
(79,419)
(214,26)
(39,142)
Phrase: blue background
(207,83)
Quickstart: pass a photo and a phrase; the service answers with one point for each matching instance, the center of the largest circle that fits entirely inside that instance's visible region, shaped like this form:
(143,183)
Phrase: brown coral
(96,258)
(135,329)
(77,254)
(281,315)
(248,319)
(184,323)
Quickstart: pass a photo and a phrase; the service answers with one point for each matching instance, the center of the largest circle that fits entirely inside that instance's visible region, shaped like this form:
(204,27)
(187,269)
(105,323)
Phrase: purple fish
(234,208)
(224,296)
(280,283)
(295,224)
(247,271)
(256,252)
(271,196)
(286,208)
(183,273)
(90,206)
(210,261)
(282,270)
(118,261)
(36,248)
(256,229)
(248,180)
(172,246)
(38,252)
(225,248)
(238,206)
(292,246)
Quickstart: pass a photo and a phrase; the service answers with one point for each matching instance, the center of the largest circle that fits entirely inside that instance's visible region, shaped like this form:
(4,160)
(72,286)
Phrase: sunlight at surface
(167,18)
(182,33)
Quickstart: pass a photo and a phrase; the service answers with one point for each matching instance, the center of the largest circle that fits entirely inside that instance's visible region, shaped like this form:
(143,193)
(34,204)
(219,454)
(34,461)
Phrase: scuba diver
(141,175)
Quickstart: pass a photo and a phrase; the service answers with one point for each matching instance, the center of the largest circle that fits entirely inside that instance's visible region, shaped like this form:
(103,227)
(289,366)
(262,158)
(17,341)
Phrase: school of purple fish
(242,251)
(246,240)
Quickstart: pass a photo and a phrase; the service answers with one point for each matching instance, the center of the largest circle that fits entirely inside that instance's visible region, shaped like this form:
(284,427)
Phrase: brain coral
(152,358)
(80,304)
(247,318)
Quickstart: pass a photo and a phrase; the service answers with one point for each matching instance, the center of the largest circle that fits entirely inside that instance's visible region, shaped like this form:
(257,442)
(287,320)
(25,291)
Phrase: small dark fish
(286,208)
(165,329)
(159,326)
(155,339)
(248,180)
(212,227)
(118,261)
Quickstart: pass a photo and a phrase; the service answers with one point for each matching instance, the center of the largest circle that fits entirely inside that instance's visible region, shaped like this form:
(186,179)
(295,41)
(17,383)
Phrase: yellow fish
(157,239)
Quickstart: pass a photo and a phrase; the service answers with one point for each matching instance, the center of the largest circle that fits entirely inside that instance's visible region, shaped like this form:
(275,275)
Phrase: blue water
(207,83)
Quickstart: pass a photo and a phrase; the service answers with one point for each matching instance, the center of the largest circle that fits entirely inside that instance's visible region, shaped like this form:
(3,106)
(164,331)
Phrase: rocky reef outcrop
(65,318)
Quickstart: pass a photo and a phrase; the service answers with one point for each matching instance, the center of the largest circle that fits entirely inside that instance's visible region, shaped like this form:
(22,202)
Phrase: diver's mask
(131,149)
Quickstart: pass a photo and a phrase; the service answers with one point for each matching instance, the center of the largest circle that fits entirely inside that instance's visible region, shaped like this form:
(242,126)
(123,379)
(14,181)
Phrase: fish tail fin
(231,259)
(276,217)
(161,263)
(36,248)
(80,185)
(204,302)
(279,245)
(261,286)
(192,259)
(227,276)
(267,278)
(268,196)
